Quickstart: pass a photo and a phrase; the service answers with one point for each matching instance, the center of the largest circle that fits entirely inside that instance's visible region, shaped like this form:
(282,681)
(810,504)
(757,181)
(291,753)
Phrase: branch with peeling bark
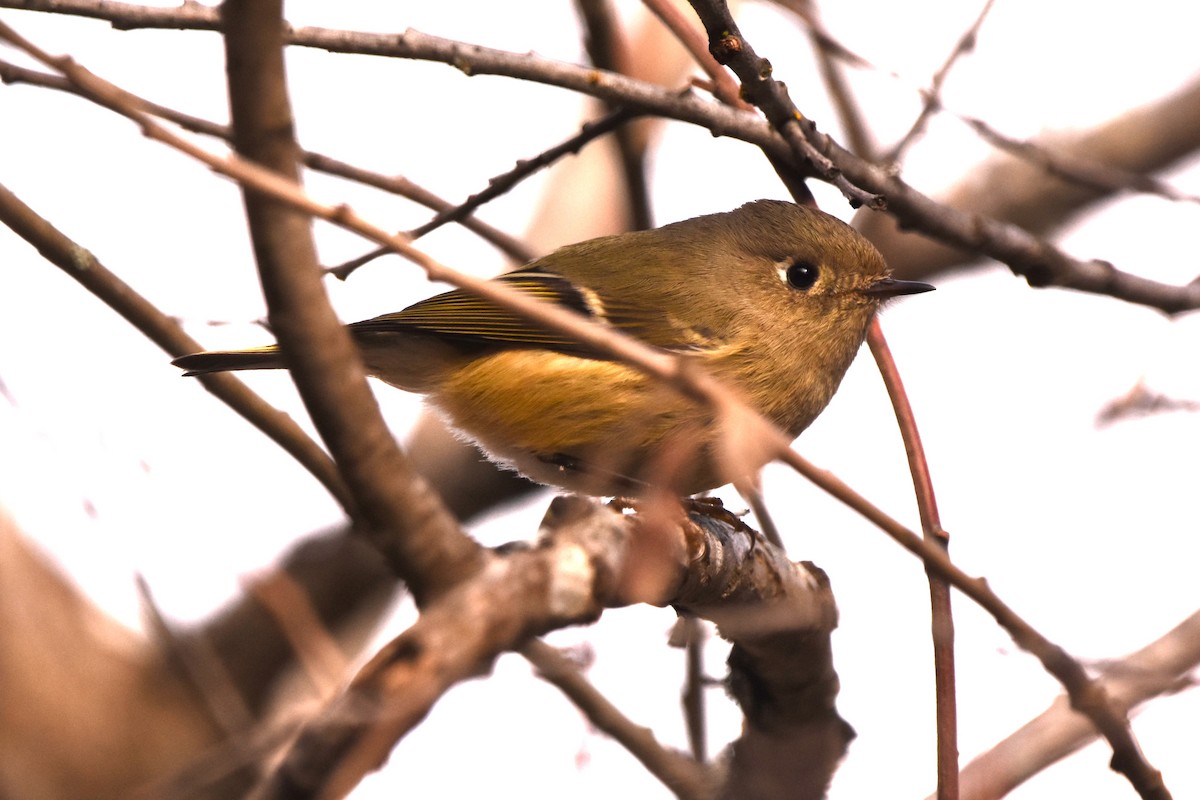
(276,239)
(778,615)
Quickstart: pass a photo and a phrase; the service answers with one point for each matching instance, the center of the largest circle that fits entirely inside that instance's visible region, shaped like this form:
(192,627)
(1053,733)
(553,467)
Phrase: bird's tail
(224,360)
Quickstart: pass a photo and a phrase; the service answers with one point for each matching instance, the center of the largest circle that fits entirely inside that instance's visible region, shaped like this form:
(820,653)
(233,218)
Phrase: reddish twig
(939,589)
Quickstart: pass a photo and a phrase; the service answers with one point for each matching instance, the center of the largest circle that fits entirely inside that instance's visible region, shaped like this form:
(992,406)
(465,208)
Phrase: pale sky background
(118,466)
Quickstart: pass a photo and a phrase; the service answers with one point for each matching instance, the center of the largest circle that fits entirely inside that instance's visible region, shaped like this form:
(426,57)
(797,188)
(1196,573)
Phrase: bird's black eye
(801,274)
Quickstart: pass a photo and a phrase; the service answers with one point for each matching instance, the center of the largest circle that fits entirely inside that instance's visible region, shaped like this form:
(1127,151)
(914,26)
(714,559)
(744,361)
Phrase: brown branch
(932,95)
(1087,696)
(831,57)
(1036,260)
(66,667)
(778,614)
(393,184)
(725,88)
(519,595)
(694,383)
(405,518)
(1141,401)
(695,687)
(1162,667)
(1085,173)
(608,48)
(677,772)
(500,184)
(942,618)
(1042,184)
(1039,262)
(80,264)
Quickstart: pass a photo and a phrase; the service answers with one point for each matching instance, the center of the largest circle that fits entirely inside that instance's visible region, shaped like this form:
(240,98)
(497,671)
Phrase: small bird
(773,298)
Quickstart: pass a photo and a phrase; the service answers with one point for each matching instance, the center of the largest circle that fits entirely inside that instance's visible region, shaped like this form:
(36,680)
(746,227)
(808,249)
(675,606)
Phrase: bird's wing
(459,315)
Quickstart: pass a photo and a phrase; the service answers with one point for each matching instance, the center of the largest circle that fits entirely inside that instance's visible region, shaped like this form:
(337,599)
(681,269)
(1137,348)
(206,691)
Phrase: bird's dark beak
(890,287)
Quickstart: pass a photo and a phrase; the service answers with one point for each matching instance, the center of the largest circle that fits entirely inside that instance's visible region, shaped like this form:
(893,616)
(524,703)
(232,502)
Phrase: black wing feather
(461,316)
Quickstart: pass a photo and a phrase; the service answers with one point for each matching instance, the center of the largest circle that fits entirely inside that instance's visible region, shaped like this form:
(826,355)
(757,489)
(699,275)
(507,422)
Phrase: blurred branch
(348,586)
(724,87)
(608,48)
(76,689)
(831,57)
(1141,401)
(695,685)
(1041,185)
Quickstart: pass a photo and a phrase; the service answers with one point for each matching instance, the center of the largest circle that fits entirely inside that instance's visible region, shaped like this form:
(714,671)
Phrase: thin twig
(393,184)
(500,184)
(942,622)
(1039,262)
(695,686)
(677,772)
(695,383)
(933,95)
(831,58)
(79,263)
(1087,695)
(1075,169)
(725,88)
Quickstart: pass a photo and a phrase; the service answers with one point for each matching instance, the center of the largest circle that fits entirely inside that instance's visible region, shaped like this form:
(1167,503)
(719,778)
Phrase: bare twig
(932,95)
(497,186)
(393,184)
(725,88)
(1141,401)
(695,686)
(831,58)
(403,515)
(939,589)
(677,772)
(78,262)
(1079,170)
(1164,666)
(1087,696)
(1039,262)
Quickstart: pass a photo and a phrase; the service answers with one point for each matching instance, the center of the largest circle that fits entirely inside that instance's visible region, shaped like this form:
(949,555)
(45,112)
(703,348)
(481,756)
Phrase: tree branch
(404,516)
(79,263)
(1039,262)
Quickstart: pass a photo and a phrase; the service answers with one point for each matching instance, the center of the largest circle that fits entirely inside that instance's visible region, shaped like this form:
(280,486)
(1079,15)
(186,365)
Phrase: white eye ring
(799,273)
